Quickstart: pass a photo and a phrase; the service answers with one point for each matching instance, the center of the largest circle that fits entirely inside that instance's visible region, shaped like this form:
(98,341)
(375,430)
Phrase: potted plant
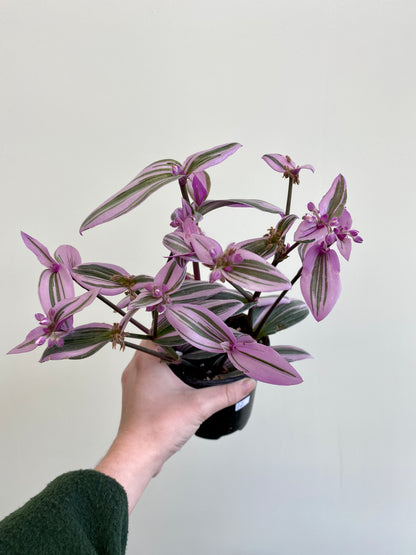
(213,307)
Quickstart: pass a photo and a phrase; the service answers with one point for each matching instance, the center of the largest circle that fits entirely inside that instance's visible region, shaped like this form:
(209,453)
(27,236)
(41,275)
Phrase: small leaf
(290,353)
(209,205)
(256,274)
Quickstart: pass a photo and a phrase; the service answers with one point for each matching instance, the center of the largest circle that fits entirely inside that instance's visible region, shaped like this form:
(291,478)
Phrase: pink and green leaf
(262,363)
(262,205)
(320,282)
(55,286)
(199,327)
(202,160)
(105,277)
(39,250)
(256,274)
(290,353)
(333,203)
(81,342)
(149,180)
(283,316)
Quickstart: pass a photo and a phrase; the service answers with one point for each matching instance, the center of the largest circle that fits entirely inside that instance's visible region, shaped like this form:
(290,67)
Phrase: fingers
(213,399)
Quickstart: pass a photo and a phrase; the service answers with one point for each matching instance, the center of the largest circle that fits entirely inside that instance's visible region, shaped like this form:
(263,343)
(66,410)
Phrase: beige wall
(92,91)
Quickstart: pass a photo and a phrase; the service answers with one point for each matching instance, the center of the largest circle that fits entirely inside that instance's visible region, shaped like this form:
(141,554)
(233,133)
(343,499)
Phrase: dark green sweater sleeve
(81,512)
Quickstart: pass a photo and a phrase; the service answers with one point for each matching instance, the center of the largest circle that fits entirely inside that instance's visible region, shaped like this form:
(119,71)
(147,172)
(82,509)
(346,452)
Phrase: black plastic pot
(225,421)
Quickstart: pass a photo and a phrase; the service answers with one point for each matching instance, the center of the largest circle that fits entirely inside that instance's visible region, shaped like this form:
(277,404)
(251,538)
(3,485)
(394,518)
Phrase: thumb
(212,399)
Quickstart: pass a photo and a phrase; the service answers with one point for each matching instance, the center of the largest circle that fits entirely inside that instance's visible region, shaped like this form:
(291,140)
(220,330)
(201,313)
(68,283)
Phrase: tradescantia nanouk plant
(208,301)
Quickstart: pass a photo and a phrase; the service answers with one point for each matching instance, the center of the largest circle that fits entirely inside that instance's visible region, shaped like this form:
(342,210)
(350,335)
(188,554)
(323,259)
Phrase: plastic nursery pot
(225,421)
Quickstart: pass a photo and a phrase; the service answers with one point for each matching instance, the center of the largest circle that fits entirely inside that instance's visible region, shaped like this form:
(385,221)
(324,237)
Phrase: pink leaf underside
(54,287)
(29,343)
(344,247)
(96,275)
(205,158)
(68,256)
(171,276)
(149,180)
(206,248)
(308,231)
(333,202)
(263,363)
(200,187)
(256,274)
(38,249)
(199,327)
(320,282)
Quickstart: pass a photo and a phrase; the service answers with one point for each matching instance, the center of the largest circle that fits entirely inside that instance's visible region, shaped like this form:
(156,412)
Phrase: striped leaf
(202,160)
(176,244)
(170,277)
(283,316)
(320,282)
(285,224)
(291,353)
(148,181)
(262,363)
(81,342)
(105,277)
(256,274)
(68,307)
(260,246)
(54,287)
(210,205)
(199,327)
(333,203)
(196,292)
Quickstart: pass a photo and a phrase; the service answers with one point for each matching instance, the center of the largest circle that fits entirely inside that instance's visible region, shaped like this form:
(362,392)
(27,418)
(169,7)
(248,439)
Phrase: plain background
(92,91)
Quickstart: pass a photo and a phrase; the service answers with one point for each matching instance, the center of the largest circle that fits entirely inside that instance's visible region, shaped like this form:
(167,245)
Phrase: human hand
(159,414)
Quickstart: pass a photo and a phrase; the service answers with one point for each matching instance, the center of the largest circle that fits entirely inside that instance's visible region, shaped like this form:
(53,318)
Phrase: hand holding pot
(159,414)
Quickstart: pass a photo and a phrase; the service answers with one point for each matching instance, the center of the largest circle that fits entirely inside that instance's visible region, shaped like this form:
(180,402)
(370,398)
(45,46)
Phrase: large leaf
(209,205)
(283,316)
(333,203)
(320,283)
(196,291)
(105,277)
(148,181)
(199,327)
(202,160)
(262,363)
(81,342)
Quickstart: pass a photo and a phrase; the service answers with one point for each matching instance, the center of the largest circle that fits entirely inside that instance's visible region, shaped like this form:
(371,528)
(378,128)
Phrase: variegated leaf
(290,353)
(202,160)
(333,203)
(148,181)
(255,274)
(105,277)
(282,317)
(199,327)
(209,205)
(81,342)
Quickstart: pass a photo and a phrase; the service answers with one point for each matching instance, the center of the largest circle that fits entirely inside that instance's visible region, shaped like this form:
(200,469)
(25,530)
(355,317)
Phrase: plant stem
(137,336)
(148,351)
(276,302)
(154,324)
(197,273)
(289,196)
(279,257)
(241,290)
(184,192)
(122,313)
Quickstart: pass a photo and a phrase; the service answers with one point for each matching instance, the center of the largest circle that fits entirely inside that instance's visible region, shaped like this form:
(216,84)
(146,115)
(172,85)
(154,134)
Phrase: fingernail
(248,385)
